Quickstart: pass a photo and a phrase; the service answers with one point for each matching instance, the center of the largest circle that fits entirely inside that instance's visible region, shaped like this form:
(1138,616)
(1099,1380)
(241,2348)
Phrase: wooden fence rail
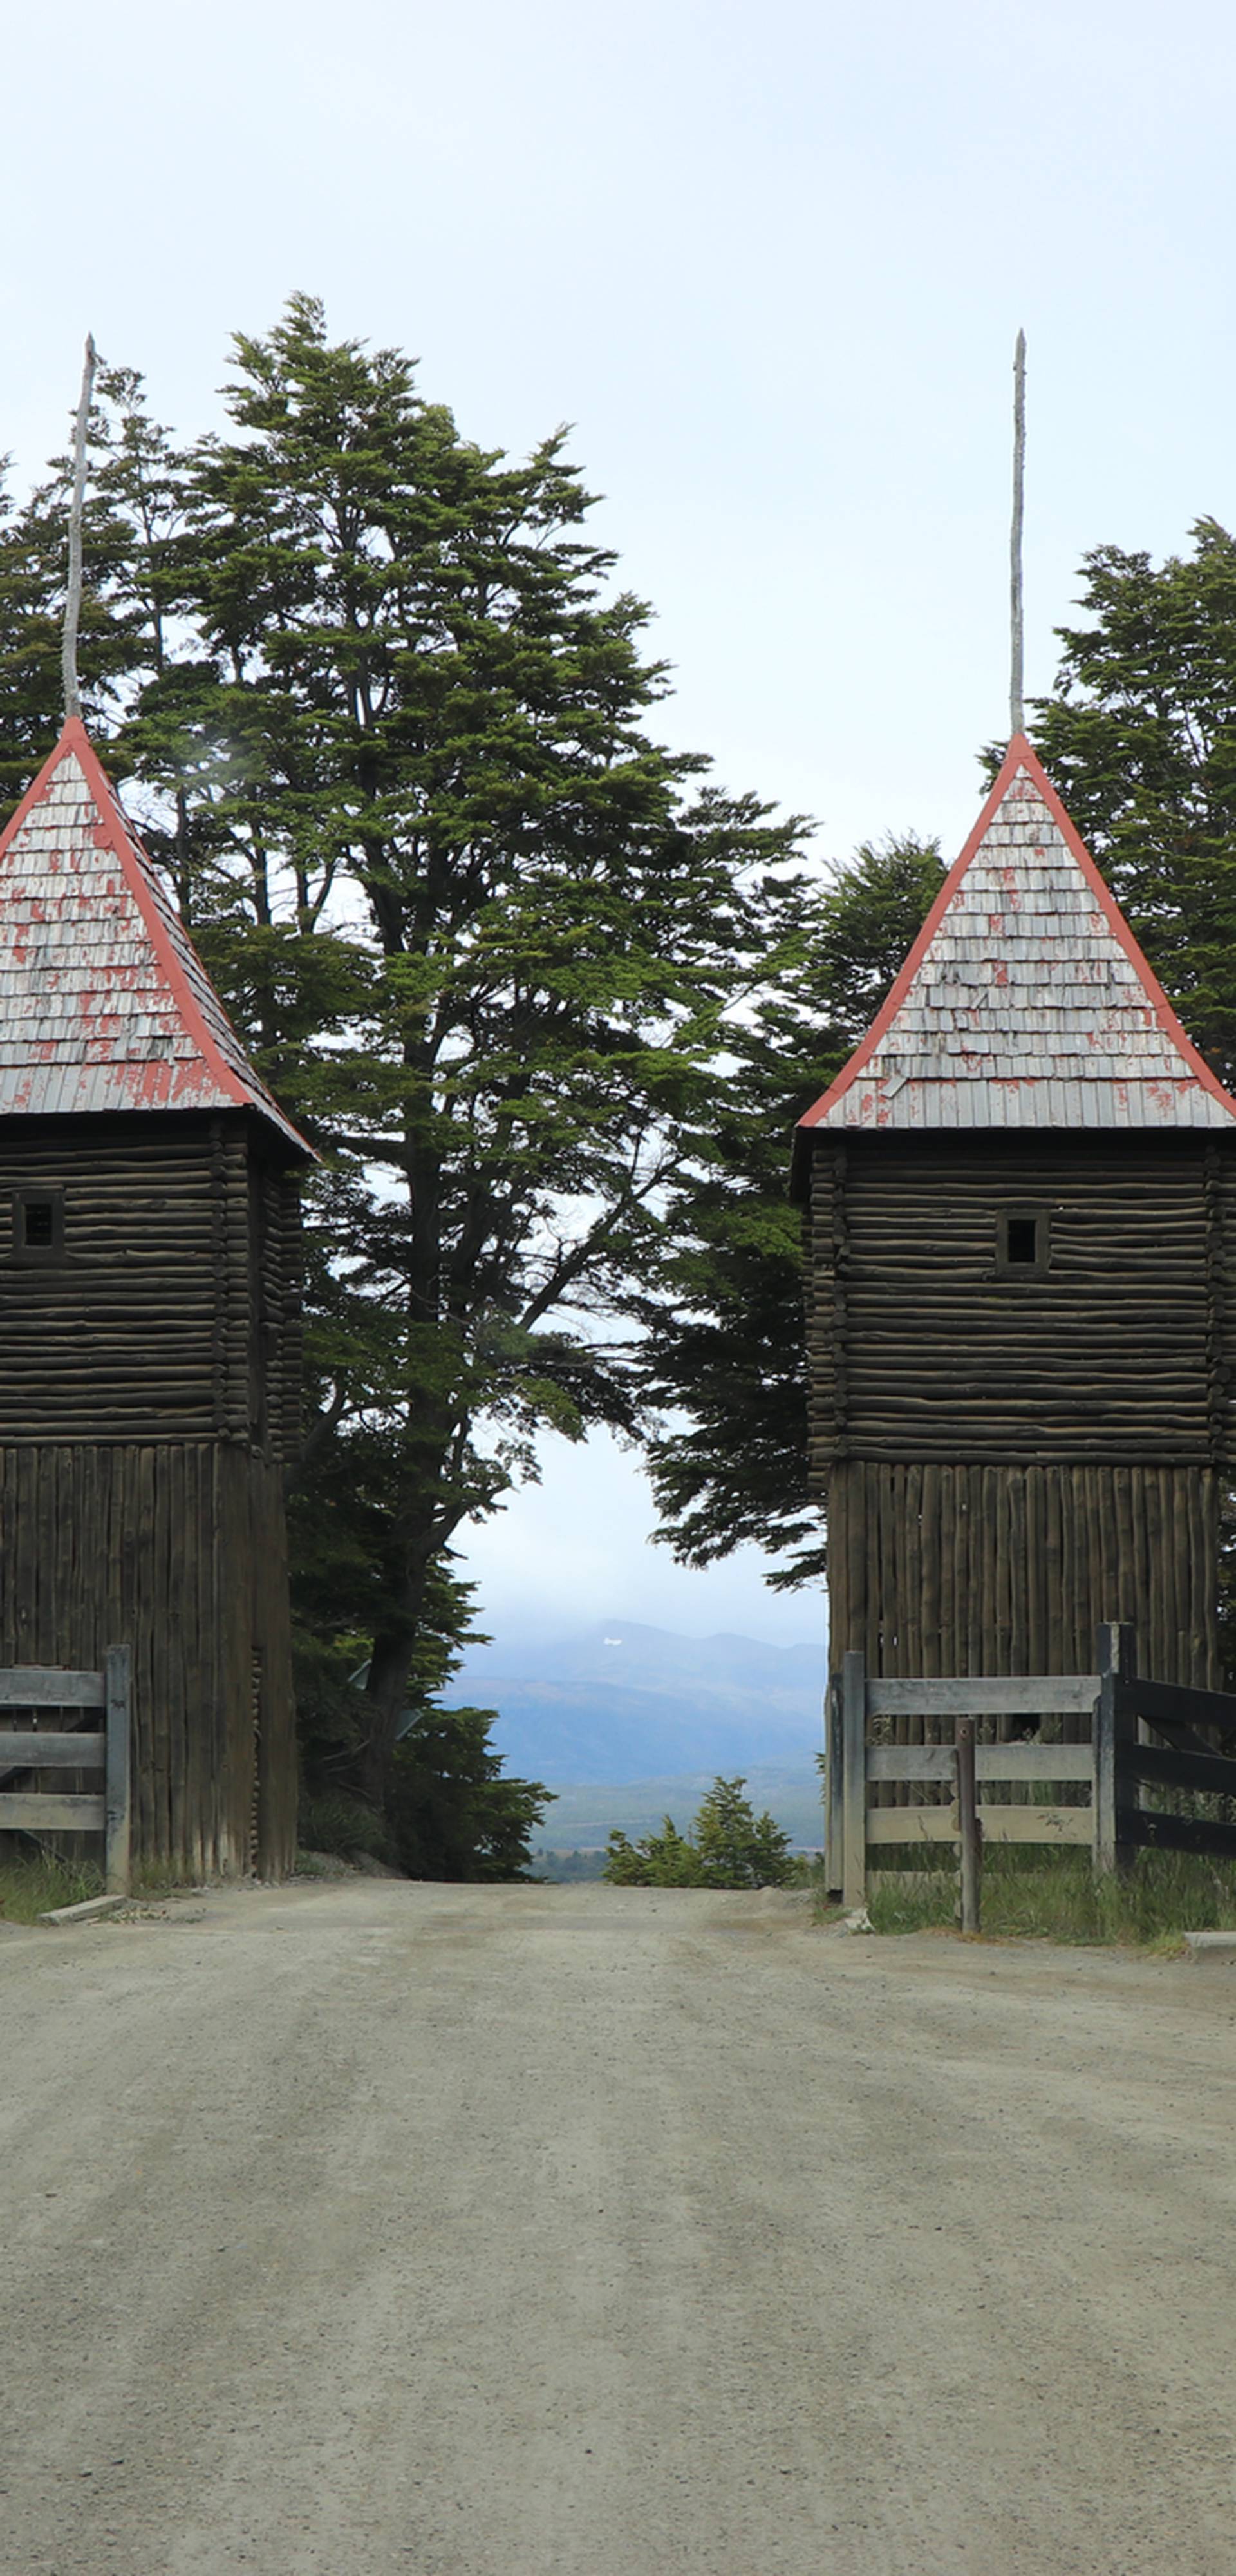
(32,1749)
(1117,1763)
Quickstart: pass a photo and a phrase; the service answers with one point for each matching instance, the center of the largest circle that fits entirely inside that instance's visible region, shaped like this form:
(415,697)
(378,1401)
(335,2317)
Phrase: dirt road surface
(388,2230)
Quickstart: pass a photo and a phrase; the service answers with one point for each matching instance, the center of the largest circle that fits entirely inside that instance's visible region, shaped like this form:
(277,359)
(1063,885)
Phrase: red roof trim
(134,864)
(1020,756)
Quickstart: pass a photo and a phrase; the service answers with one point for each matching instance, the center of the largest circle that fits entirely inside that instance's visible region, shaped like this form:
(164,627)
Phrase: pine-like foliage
(723,1354)
(383,713)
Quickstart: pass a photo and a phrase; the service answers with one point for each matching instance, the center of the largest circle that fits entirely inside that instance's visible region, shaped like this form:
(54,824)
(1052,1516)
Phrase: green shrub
(343,1826)
(728,1846)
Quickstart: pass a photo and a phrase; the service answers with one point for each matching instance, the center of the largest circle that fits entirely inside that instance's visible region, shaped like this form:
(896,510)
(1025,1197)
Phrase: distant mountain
(618,1702)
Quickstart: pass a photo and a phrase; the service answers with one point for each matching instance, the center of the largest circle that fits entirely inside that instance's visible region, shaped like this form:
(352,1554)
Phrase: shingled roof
(104,1003)
(1025,1001)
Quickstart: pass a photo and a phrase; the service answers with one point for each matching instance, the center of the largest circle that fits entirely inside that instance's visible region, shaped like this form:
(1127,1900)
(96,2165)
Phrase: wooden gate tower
(149,1335)
(1022,1230)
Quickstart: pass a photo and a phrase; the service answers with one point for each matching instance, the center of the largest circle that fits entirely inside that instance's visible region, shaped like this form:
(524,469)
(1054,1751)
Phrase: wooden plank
(1171,1768)
(856,1557)
(1151,1830)
(992,1762)
(987,1480)
(1059,1647)
(173,1580)
(950,1649)
(43,1812)
(1037,1824)
(854,1788)
(970,1548)
(880,1483)
(910,1627)
(144,1468)
(912,1824)
(41,1750)
(117,1801)
(969,1830)
(834,1858)
(933,1644)
(44,1686)
(1174,1704)
(990,1695)
(1019,1577)
(1104,1739)
(1157,1640)
(1211,1578)
(999,1824)
(84,1913)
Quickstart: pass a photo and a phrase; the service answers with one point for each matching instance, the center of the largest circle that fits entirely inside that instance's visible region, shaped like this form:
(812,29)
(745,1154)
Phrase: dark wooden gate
(1116,1761)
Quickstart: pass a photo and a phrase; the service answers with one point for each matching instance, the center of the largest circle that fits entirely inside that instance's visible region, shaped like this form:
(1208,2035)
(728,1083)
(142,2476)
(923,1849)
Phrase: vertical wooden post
(834,1774)
(1117,1662)
(854,1778)
(116,1801)
(970,1832)
(1016,708)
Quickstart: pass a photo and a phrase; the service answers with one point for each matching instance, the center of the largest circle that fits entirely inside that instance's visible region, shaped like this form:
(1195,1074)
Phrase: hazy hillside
(583,1817)
(619,1703)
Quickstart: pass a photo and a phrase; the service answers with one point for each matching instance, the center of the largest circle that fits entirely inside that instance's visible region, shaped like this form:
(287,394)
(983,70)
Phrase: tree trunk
(386,1690)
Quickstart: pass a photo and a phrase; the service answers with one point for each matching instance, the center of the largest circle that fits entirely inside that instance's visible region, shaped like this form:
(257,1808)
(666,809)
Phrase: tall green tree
(723,1355)
(484,934)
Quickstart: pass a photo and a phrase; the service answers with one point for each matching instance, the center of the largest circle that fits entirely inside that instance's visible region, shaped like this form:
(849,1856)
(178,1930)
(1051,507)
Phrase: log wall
(920,1349)
(173,1309)
(149,1397)
(179,1552)
(1007,1460)
(965,1568)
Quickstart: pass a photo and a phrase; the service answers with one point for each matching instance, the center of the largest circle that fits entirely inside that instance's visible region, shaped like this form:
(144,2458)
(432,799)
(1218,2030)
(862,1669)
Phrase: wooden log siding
(158,1323)
(149,1397)
(931,1570)
(200,1525)
(114,1338)
(1006,1462)
(919,1351)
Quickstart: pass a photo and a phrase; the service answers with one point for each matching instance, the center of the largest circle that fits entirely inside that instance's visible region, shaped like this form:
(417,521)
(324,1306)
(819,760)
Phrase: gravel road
(369,2227)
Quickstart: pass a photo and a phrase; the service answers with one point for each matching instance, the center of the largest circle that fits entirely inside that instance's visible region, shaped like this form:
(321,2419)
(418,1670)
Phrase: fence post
(1117,1662)
(116,1803)
(970,1832)
(834,1773)
(854,1781)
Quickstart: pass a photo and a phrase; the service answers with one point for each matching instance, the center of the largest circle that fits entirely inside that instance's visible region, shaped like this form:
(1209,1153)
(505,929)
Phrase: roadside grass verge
(1054,1896)
(30,1887)
(35,1882)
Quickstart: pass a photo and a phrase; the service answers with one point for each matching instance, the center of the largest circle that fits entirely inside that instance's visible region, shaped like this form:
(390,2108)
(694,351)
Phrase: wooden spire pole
(1016,700)
(73,596)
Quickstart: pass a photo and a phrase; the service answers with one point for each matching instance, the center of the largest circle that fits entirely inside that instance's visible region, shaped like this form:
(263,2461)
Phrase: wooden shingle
(1026,1001)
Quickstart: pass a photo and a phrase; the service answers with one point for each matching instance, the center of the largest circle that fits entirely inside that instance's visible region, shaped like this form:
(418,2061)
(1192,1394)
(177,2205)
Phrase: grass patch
(1053,1896)
(32,1887)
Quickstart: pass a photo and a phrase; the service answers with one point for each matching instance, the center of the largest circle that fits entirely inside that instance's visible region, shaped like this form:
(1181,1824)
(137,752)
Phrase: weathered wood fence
(1116,1762)
(31,1749)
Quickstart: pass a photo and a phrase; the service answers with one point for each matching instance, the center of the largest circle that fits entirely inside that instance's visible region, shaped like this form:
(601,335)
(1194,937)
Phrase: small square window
(38,1225)
(1023,1240)
(1023,1243)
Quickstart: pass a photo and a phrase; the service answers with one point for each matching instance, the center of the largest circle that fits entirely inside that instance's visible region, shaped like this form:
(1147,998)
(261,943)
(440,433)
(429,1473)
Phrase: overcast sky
(770,261)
